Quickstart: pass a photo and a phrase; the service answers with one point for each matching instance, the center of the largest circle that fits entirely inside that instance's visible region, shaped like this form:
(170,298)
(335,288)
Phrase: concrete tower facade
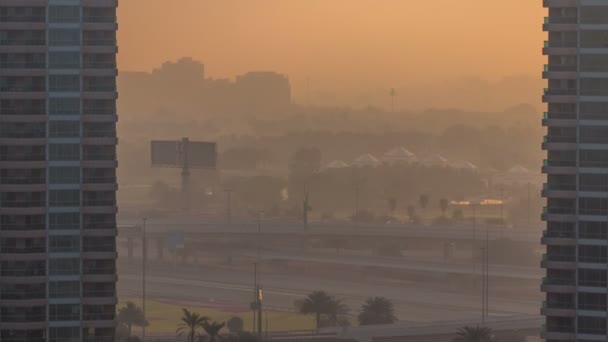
(58,170)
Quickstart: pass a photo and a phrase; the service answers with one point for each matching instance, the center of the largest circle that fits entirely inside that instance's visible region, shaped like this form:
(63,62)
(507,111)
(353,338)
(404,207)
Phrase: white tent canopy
(463,165)
(435,160)
(336,164)
(366,160)
(399,155)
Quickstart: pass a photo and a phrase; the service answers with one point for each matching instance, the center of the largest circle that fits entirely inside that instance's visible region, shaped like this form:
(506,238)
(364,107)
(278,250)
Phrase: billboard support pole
(185,175)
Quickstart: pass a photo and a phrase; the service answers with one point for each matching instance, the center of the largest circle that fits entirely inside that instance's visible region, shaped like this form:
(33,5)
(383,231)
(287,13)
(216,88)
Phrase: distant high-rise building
(576,214)
(57,170)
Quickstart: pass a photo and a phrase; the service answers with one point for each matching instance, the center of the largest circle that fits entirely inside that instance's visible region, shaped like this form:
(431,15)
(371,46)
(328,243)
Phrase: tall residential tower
(57,170)
(577,171)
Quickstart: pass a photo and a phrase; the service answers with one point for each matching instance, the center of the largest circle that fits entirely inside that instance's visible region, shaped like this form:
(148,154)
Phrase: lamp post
(143,278)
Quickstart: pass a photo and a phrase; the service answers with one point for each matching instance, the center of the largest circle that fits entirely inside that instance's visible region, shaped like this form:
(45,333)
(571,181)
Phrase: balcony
(99,42)
(22,42)
(560,91)
(560,44)
(559,210)
(105,19)
(561,20)
(559,163)
(560,68)
(30,18)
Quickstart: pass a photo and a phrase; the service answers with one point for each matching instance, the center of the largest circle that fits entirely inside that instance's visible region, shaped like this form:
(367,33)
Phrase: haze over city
(477,54)
(303,170)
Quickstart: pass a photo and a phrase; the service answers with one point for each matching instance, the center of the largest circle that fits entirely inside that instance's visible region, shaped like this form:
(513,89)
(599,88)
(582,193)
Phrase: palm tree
(474,334)
(377,310)
(443,205)
(320,304)
(131,315)
(190,323)
(213,330)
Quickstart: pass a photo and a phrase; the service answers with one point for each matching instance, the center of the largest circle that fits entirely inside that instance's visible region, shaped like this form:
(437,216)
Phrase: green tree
(131,315)
(235,325)
(324,307)
(190,323)
(443,205)
(212,329)
(474,334)
(377,310)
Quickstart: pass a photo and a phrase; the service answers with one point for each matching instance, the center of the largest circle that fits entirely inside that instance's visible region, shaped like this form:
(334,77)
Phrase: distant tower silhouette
(392,94)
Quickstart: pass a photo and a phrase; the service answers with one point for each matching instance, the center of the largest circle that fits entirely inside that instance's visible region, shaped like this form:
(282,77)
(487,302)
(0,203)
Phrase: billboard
(184,153)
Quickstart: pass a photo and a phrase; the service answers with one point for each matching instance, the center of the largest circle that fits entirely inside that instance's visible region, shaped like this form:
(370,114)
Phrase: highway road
(343,229)
(406,264)
(199,284)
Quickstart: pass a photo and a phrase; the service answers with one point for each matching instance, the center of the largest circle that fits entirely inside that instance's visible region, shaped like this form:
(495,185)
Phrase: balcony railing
(560,234)
(23,42)
(16,227)
(24,250)
(559,138)
(23,65)
(560,44)
(36,272)
(559,210)
(22,19)
(24,204)
(560,67)
(100,180)
(559,281)
(99,19)
(560,91)
(99,42)
(559,163)
(561,20)
(102,316)
(99,270)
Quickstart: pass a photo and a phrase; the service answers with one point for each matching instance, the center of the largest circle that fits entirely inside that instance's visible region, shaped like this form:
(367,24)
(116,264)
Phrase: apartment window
(594,86)
(99,83)
(64,175)
(592,301)
(64,334)
(560,300)
(21,14)
(99,38)
(64,83)
(64,312)
(593,254)
(594,110)
(64,289)
(67,266)
(64,14)
(64,106)
(64,60)
(99,244)
(23,107)
(64,244)
(99,221)
(592,230)
(64,198)
(592,325)
(64,129)
(593,206)
(560,229)
(64,37)
(591,277)
(561,253)
(67,221)
(593,158)
(99,107)
(64,152)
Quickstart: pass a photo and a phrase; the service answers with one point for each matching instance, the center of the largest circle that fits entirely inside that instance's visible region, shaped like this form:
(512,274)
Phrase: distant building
(263,93)
(576,215)
(57,170)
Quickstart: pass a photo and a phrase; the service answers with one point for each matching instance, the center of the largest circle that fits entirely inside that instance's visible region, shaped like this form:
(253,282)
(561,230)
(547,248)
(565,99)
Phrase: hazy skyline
(343,46)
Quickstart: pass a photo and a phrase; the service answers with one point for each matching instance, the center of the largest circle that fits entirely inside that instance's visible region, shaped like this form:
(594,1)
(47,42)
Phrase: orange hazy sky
(338,43)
